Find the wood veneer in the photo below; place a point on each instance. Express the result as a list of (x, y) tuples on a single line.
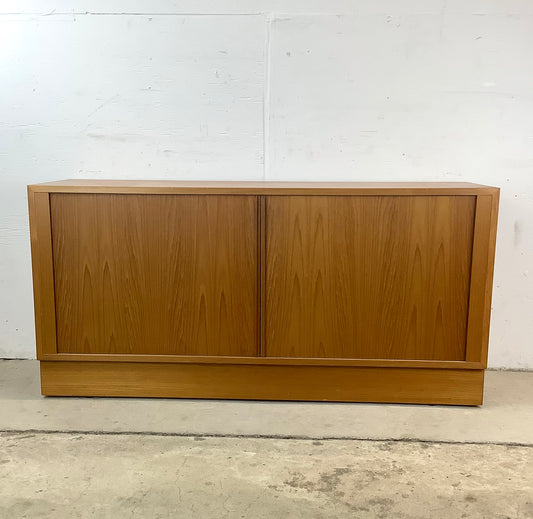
[(155, 274), (269, 290), (383, 277), (261, 188), (335, 384)]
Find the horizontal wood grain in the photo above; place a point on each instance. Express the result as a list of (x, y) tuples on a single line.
[(261, 188), (145, 274), (383, 277), (281, 361), (335, 384)]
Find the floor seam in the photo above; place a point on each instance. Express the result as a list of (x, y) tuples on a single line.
[(259, 436)]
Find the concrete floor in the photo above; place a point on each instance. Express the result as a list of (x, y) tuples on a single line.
[(135, 476), (93, 457)]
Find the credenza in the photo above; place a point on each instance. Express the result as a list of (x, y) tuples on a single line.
[(348, 292)]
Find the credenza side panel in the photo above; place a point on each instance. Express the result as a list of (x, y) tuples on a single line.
[(156, 274), (43, 273), (383, 277)]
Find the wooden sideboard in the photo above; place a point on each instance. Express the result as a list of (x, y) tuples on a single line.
[(364, 292)]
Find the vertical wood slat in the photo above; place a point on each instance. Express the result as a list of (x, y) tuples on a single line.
[(43, 273), (261, 278), (483, 251)]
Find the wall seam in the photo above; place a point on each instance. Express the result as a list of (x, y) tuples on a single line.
[(266, 97)]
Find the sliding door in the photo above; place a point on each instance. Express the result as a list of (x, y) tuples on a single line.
[(383, 277), (155, 274)]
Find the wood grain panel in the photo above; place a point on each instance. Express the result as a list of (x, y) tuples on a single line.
[(482, 273), (262, 188), (336, 384), (272, 361), (155, 274), (43, 273), (368, 277)]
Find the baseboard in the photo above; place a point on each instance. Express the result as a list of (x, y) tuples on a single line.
[(263, 382)]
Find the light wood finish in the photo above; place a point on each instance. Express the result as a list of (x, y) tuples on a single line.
[(262, 188), (336, 384), (262, 274), (368, 277), (482, 273), (271, 361), (155, 274), (339, 291), (43, 273)]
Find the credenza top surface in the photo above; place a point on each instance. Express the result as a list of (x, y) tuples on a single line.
[(261, 187)]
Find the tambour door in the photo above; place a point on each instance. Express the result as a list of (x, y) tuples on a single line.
[(155, 274), (383, 277)]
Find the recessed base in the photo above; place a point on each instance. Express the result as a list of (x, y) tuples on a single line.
[(263, 382)]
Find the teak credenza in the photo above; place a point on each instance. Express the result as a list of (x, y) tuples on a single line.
[(366, 292)]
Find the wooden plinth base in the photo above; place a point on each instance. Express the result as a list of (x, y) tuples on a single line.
[(263, 382)]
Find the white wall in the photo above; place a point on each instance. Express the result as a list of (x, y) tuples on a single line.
[(232, 89)]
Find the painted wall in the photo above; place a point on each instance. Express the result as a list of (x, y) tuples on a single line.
[(360, 90)]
